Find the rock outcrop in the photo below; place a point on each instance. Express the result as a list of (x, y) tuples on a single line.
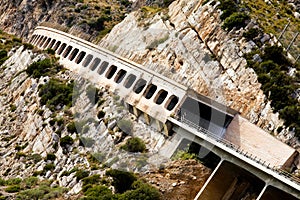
[(188, 45)]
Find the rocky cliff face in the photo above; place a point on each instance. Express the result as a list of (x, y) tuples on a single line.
[(188, 45), (185, 43), (32, 136), (20, 17)]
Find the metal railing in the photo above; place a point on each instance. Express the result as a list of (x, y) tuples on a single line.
[(237, 149)]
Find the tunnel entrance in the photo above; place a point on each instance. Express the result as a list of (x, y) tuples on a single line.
[(205, 116), (232, 182), (276, 194), (205, 156)]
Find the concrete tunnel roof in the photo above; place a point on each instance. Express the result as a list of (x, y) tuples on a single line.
[(254, 140)]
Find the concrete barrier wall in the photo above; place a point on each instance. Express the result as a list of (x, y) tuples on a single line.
[(147, 91)]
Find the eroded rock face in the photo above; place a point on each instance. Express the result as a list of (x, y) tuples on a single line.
[(188, 45), (181, 179), (28, 133)]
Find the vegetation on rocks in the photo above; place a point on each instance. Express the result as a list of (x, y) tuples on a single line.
[(278, 84), (46, 67), (56, 93), (126, 184), (31, 188), (134, 145), (232, 15)]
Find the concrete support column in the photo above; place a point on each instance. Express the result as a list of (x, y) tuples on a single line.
[(262, 192), (136, 112), (159, 125), (209, 179), (166, 130), (147, 119)]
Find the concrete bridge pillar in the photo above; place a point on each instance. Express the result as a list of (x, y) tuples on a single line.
[(159, 125), (136, 112), (209, 179), (262, 192), (147, 119)]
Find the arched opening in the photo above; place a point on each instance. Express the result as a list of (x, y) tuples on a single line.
[(111, 71), (150, 91), (46, 43), (102, 67), (129, 81), (80, 57), (95, 64), (87, 60), (67, 51), (62, 47), (73, 54), (42, 42), (52, 43), (120, 76), (160, 97), (171, 103), (33, 38), (56, 45), (139, 86)]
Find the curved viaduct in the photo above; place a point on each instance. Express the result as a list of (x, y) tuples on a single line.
[(170, 106)]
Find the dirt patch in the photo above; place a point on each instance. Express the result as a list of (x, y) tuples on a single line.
[(179, 180)]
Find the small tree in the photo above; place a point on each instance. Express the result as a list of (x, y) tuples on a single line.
[(134, 145), (122, 181), (237, 20)]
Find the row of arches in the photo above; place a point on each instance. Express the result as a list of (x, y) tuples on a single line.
[(111, 72)]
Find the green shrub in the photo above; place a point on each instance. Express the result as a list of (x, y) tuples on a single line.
[(184, 155), (2, 182), (140, 191), (50, 51), (3, 56), (13, 181), (49, 167), (237, 20), (134, 145), (99, 192), (41, 192), (37, 173), (51, 156), (80, 174), (20, 154), (228, 7), (39, 68), (98, 24), (56, 93), (28, 46), (71, 128), (13, 189), (13, 107), (94, 179), (251, 33), (267, 66), (17, 40), (35, 157), (67, 140), (101, 114), (122, 180), (276, 54), (30, 182), (125, 3)]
